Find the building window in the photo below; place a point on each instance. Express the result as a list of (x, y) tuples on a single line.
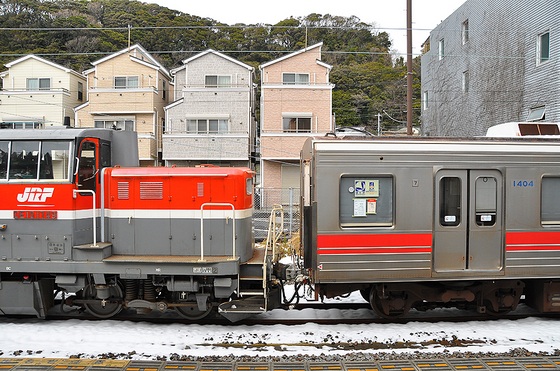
[(296, 124), (80, 91), (536, 113), (217, 81), (543, 48), (425, 102), (441, 49), (163, 94), (295, 78), (126, 82), (207, 126), (127, 125), (465, 32), (39, 84), (465, 82)]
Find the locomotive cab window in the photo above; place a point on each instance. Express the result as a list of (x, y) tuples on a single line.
[(550, 202), (87, 170), (4, 151), (486, 191), (366, 201)]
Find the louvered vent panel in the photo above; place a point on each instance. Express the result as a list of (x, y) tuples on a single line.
[(123, 190), (151, 190), (200, 189)]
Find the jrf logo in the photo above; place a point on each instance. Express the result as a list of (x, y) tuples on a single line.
[(35, 194)]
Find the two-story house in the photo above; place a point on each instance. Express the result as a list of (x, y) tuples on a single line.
[(296, 102), (128, 90), (212, 119), (37, 93), (491, 62)]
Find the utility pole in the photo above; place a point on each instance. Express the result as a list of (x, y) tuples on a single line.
[(408, 67)]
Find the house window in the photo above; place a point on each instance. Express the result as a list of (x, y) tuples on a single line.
[(126, 82), (543, 48), (80, 91), (127, 125), (425, 102), (465, 82), (465, 32), (217, 81), (296, 124), (441, 49), (163, 94), (39, 84), (207, 126), (295, 78), (536, 113)]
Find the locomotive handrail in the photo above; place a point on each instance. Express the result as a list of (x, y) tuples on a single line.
[(202, 226), (75, 194)]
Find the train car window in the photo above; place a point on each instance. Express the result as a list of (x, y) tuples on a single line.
[(249, 189), (88, 166), (54, 160), (486, 193), (550, 200), (366, 201), (4, 148), (24, 160), (450, 202)]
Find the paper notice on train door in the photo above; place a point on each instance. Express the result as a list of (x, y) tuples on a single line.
[(359, 207)]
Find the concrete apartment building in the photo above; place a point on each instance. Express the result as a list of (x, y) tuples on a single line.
[(37, 93), (128, 90), (212, 117), (492, 62), (296, 102)]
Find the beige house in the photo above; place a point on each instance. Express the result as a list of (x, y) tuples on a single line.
[(37, 93), (296, 102), (128, 90)]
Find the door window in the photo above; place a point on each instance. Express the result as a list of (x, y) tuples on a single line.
[(87, 170), (485, 201), (450, 202)]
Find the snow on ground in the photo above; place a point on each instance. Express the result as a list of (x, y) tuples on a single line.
[(141, 340)]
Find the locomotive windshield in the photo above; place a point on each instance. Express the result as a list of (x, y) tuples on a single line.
[(34, 160)]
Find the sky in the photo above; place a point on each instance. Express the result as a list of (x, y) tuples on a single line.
[(386, 15)]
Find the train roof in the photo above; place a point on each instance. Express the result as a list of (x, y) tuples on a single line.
[(58, 133), (160, 171)]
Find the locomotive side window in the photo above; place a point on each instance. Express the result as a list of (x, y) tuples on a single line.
[(550, 202), (54, 160), (450, 202), (486, 189), (87, 170), (366, 201), (24, 160), (4, 160)]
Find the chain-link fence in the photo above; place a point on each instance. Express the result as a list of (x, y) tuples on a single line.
[(265, 199)]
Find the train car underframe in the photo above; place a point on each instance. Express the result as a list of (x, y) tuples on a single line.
[(495, 297)]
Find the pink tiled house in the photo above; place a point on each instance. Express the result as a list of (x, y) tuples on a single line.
[(296, 102)]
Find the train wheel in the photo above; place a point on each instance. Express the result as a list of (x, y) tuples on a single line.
[(104, 308), (389, 307), (192, 312)]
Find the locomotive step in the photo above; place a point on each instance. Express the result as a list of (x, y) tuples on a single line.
[(251, 292)]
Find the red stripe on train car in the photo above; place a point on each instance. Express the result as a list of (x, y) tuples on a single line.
[(374, 244), (532, 241), (374, 240)]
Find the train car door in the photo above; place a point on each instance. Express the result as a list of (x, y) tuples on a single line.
[(468, 225), (87, 187)]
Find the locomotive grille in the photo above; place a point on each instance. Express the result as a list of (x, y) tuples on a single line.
[(200, 189), (151, 190), (123, 190)]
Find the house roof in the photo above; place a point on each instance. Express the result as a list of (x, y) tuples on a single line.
[(290, 55), (152, 62), (42, 60), (212, 51)]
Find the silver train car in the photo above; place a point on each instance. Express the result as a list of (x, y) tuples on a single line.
[(419, 223)]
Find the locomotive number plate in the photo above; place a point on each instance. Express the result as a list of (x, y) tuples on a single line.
[(203, 270)]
